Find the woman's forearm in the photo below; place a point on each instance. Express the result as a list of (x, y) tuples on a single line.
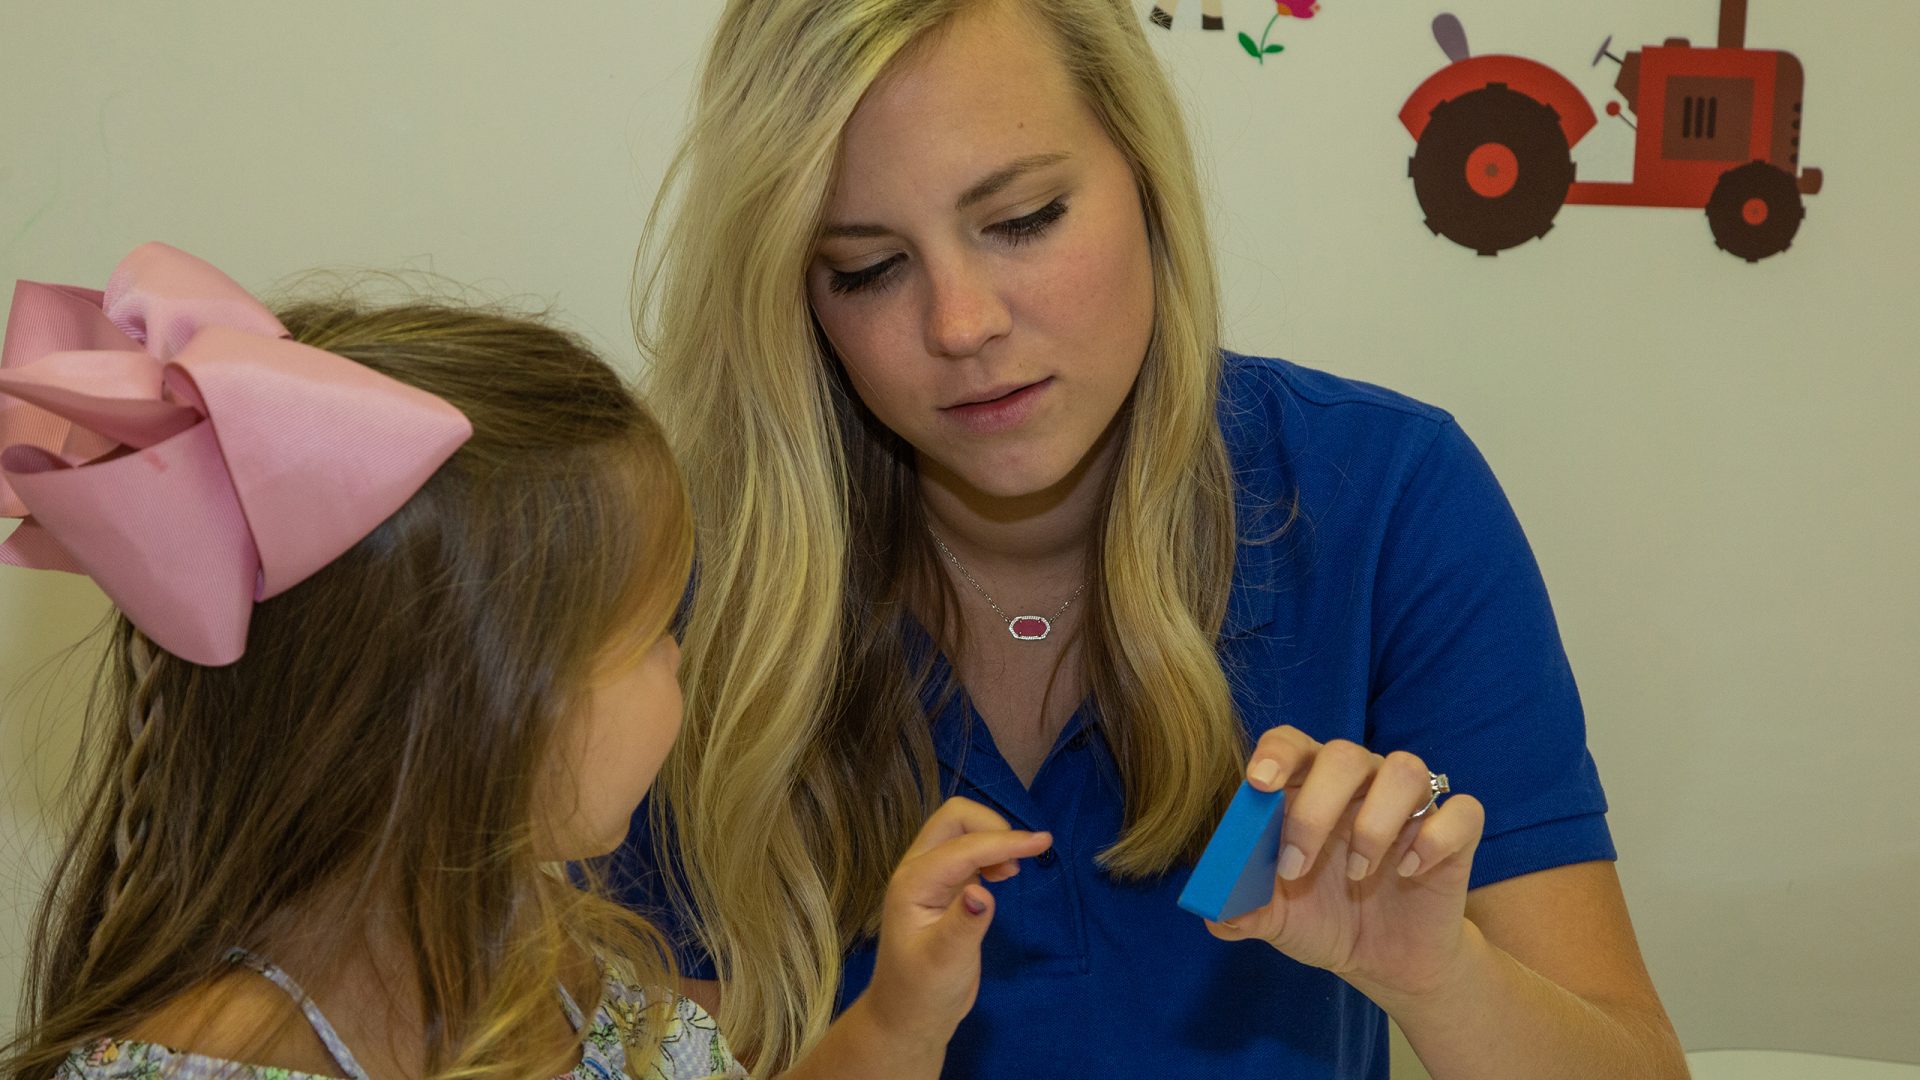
[(1497, 1019)]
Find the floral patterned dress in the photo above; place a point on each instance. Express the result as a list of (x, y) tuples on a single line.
[(691, 1049)]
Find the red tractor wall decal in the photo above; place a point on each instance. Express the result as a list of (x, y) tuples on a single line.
[(1719, 129)]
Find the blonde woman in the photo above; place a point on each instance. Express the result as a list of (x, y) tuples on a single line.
[(982, 508)]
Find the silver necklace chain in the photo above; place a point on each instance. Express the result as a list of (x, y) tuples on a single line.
[(988, 597)]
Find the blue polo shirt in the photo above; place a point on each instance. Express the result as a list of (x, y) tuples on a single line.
[(1401, 609)]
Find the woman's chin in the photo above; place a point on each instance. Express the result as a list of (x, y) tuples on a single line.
[(1016, 473), (1017, 482)]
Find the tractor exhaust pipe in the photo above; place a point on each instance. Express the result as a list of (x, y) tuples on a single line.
[(1733, 24), (1451, 36)]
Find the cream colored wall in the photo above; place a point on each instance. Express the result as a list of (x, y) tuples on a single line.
[(1715, 461)]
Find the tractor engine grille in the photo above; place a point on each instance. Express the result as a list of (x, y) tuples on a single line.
[(1708, 118)]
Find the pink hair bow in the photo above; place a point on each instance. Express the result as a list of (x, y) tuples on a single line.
[(166, 439)]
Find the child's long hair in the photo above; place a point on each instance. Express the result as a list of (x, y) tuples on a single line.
[(387, 731)]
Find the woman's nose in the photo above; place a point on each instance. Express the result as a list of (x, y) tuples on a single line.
[(965, 310)]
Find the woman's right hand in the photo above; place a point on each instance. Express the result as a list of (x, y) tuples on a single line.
[(935, 914)]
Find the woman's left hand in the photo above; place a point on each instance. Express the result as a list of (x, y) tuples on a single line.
[(1365, 890)]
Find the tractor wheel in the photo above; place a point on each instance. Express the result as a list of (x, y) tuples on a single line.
[(1492, 169), (1755, 210)]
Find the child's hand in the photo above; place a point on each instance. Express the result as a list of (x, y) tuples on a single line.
[(936, 913), (928, 971)]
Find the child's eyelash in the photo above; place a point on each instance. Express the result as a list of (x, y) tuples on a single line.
[(1013, 231)]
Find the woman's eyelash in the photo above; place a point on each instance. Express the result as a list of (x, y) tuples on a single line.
[(1014, 231), (1022, 229), (865, 278)]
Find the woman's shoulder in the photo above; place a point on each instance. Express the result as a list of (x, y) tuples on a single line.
[(1343, 470), (1293, 431), (1268, 386)]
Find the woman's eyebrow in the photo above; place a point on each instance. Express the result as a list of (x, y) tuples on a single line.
[(994, 181), (984, 189)]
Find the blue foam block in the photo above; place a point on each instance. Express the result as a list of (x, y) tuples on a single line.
[(1236, 872)]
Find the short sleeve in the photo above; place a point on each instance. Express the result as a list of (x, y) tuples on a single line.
[(1468, 670), (640, 883)]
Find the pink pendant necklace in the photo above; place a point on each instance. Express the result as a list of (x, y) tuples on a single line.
[(1022, 627)]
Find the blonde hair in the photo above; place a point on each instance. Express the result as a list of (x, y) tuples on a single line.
[(807, 765), (390, 724)]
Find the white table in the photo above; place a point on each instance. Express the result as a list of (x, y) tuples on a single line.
[(1789, 1065)]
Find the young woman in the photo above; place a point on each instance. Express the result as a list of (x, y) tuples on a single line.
[(983, 508)]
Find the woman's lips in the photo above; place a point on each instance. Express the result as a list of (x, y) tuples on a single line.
[(1002, 413)]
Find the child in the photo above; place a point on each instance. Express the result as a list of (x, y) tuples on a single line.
[(394, 590)]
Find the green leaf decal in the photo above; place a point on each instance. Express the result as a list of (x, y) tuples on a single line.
[(1275, 48), (1247, 44)]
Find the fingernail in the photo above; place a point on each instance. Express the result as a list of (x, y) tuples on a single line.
[(1357, 866), (1410, 864), (974, 906), (1265, 772), (1292, 862)]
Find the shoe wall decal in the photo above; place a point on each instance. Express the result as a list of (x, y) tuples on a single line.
[(1213, 18)]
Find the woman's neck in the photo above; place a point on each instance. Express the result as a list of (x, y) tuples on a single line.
[(1030, 555), (1040, 536)]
